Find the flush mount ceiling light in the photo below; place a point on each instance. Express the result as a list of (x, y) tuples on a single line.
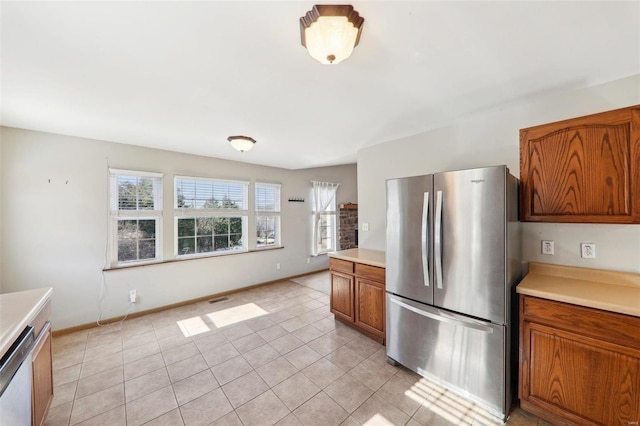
[(241, 143), (330, 32)]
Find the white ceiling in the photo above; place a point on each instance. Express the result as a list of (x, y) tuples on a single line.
[(183, 76)]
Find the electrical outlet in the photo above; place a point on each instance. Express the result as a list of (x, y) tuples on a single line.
[(547, 247), (278, 266), (308, 260), (588, 250), (133, 296), (365, 227)]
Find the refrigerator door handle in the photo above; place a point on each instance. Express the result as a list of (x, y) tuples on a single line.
[(443, 316), (425, 238), (437, 240)]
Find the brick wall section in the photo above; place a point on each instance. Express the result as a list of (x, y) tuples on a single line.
[(347, 226)]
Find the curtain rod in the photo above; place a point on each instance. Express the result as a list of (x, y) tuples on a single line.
[(331, 183)]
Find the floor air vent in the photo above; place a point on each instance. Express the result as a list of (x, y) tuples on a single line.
[(220, 299)]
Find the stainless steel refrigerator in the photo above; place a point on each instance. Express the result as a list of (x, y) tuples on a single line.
[(452, 263)]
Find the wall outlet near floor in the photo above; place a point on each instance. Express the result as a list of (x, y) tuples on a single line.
[(308, 260), (547, 247), (133, 296), (588, 250), (278, 266), (365, 227)]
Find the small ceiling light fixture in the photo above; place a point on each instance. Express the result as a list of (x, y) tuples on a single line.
[(241, 143), (330, 32)]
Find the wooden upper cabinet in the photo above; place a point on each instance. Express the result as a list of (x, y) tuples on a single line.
[(585, 169)]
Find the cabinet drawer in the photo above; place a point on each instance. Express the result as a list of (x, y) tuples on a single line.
[(341, 265), (371, 272), (603, 325), (41, 319)]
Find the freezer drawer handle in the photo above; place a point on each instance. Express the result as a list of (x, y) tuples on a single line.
[(438, 239), (443, 317), (425, 239)]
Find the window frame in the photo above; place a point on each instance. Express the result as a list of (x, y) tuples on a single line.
[(195, 213), (333, 218), (116, 215), (276, 214), (332, 212)]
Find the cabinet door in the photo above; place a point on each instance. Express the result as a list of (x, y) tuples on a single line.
[(581, 379), (370, 306), (342, 296), (585, 169), (42, 376)]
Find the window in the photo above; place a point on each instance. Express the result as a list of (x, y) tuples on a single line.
[(136, 215), (210, 216), (324, 217), (267, 215)]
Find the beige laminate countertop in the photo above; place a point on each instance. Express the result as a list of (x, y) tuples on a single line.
[(17, 310), (358, 255), (594, 288)]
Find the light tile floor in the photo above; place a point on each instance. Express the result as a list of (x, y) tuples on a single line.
[(270, 355), (320, 281)]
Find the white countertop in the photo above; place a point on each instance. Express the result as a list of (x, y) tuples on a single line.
[(594, 288), (358, 255), (17, 310)]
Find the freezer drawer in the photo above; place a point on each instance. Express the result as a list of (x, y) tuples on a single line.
[(461, 353)]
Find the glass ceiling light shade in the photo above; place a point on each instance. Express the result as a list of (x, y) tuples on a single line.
[(241, 143), (330, 32)]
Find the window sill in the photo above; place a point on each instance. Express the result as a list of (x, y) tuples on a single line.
[(176, 260), (266, 248)]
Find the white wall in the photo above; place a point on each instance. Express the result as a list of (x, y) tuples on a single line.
[(54, 234), (491, 137)]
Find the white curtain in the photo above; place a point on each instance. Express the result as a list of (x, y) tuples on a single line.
[(324, 194)]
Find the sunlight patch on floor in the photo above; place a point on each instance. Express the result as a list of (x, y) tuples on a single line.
[(378, 420), (236, 314), (486, 419), (192, 326), (450, 407), (419, 390)]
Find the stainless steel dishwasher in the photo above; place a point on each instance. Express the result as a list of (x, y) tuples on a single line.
[(15, 381)]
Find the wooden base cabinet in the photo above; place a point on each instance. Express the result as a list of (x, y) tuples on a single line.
[(357, 296), (41, 366), (42, 389), (579, 365)]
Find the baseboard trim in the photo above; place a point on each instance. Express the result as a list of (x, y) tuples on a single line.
[(63, 331)]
